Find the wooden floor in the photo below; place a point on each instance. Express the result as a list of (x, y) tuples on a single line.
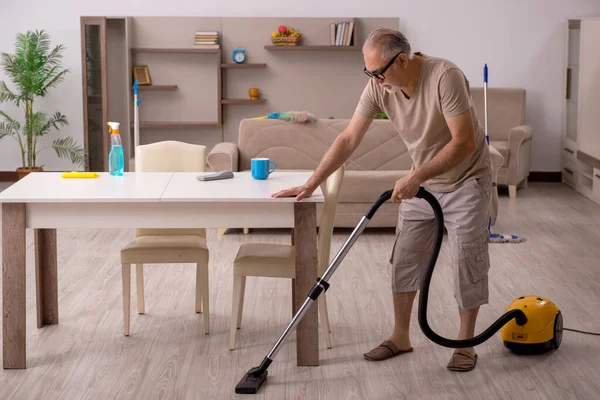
[(167, 355)]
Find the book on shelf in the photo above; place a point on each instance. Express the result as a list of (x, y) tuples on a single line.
[(341, 33), (206, 40)]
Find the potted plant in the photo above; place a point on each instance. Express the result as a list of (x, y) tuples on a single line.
[(33, 70)]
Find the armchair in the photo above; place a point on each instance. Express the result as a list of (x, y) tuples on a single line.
[(508, 133)]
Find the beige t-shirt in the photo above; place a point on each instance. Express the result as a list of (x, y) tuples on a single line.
[(442, 91)]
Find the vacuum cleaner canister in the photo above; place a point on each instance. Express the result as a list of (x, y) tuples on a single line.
[(543, 330)]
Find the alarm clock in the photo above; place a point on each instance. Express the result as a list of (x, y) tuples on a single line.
[(239, 55)]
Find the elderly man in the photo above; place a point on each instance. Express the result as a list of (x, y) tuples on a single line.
[(428, 101)]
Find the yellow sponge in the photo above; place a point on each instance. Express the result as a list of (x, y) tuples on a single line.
[(76, 174)]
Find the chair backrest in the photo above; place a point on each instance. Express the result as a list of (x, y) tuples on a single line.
[(170, 156), (331, 191)]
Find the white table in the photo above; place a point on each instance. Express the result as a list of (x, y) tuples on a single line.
[(46, 202)]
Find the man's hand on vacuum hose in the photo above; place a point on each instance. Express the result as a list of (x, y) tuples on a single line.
[(406, 187)]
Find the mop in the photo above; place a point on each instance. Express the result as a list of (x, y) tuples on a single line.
[(494, 237), (136, 115)]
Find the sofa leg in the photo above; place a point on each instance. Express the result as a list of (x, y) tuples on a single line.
[(512, 191), (523, 184), (246, 231)]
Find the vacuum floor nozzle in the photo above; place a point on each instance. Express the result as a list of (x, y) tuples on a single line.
[(250, 383)]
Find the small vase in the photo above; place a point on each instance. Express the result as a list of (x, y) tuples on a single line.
[(23, 172), (253, 93)]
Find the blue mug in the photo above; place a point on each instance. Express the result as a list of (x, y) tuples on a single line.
[(261, 168)]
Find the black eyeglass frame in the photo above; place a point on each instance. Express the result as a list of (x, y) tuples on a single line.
[(379, 75)]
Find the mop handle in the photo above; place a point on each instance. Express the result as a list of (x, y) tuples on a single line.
[(136, 114), (485, 107)]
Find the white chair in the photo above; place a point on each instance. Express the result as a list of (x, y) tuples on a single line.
[(278, 260), (167, 246)]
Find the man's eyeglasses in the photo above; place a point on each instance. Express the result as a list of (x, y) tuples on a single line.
[(379, 75)]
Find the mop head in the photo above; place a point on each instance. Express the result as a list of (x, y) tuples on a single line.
[(297, 117), (499, 238)]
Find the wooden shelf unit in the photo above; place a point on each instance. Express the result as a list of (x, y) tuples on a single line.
[(191, 98), (242, 101), (173, 50), (175, 124), (156, 87), (312, 48), (243, 65)]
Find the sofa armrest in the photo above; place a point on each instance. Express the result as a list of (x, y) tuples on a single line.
[(223, 157), (519, 143)]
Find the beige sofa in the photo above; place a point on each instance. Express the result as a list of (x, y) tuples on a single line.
[(508, 133), (380, 160)]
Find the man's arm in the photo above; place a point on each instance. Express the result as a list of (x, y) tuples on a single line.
[(459, 148), (339, 151)]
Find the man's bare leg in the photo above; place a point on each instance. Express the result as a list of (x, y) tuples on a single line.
[(403, 303), (468, 318)]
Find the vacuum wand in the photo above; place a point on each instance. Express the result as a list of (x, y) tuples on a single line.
[(254, 378)]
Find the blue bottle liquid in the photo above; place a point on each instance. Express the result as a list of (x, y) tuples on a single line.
[(116, 158)]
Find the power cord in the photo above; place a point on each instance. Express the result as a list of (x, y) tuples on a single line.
[(587, 333)]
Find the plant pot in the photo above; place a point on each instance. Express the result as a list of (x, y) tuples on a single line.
[(23, 172)]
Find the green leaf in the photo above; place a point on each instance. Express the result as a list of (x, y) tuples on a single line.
[(65, 147), (7, 95), (44, 124)]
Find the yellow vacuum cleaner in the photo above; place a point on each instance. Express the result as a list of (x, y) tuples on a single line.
[(543, 330), (531, 324)]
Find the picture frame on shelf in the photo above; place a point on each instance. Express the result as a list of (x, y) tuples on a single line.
[(141, 73)]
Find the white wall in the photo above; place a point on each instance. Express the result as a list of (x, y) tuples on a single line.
[(522, 42)]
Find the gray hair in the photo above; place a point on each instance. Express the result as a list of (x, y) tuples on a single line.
[(389, 42)]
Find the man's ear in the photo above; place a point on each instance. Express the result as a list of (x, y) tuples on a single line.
[(403, 60)]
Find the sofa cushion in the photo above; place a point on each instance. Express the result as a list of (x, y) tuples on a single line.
[(502, 148), (366, 186)]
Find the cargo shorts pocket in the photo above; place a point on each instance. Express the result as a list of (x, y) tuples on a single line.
[(484, 186), (473, 259)]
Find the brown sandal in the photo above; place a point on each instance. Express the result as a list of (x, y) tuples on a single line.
[(385, 350), (462, 361)]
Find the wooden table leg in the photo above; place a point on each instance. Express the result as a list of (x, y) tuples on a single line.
[(13, 285), (46, 277), (305, 241)]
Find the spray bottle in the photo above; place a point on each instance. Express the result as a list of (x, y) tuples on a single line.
[(116, 160)]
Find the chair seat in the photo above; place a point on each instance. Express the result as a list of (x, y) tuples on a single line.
[(165, 249), (503, 149), (264, 259)]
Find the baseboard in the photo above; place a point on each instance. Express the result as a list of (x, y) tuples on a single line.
[(544, 176), (8, 176)]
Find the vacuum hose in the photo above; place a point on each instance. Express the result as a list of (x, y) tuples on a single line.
[(518, 315)]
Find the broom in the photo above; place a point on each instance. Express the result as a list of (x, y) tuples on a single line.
[(494, 237)]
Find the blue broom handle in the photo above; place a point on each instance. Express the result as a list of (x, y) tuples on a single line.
[(485, 84)]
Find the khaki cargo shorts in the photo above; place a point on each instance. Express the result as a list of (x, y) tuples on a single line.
[(466, 214)]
